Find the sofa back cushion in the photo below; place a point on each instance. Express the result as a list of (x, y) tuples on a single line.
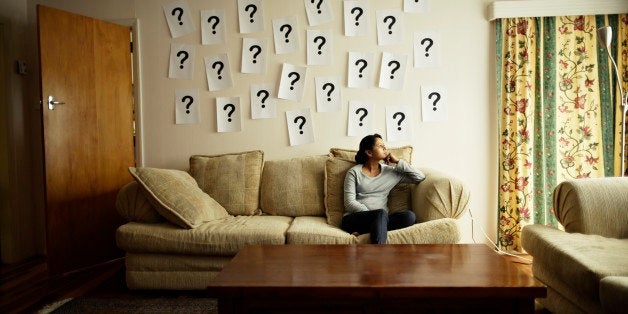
[(403, 152), (294, 187), (231, 179)]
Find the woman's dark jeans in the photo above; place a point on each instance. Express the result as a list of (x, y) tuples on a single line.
[(377, 223)]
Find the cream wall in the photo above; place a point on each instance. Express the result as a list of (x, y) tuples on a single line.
[(464, 145)]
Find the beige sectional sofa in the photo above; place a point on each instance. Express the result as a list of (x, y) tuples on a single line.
[(183, 231), (584, 267)]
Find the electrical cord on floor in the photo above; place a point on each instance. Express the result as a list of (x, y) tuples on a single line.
[(495, 247)]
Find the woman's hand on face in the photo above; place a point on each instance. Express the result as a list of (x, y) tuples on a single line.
[(391, 159)]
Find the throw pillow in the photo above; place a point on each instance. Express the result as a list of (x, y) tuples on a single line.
[(177, 197), (231, 179), (294, 187), (404, 152), (335, 171)]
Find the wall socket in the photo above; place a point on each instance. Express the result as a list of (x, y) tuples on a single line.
[(20, 66)]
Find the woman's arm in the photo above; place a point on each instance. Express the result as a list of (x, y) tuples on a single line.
[(409, 174), (350, 192)]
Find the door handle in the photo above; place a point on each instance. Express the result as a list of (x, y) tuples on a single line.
[(52, 102)]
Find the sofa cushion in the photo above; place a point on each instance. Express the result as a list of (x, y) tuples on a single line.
[(316, 230), (177, 197), (614, 294), (578, 260), (294, 187), (224, 237), (403, 152), (231, 179), (133, 205)]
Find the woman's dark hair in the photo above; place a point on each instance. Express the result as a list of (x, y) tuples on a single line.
[(367, 143)]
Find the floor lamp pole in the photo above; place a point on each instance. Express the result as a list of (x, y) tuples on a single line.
[(605, 36)]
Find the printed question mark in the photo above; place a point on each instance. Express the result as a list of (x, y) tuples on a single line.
[(365, 113), (289, 29), (266, 94), (296, 79), (220, 66), (255, 54), (397, 66), (331, 90), (357, 16), (320, 46), (430, 42), (403, 117), (187, 107), (364, 64), (318, 6), (435, 101), (230, 111), (185, 57), (302, 119), (180, 11), (216, 21), (393, 20), (253, 10)]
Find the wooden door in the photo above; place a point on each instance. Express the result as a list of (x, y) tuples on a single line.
[(88, 141)]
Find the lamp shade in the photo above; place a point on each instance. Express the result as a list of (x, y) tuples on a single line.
[(605, 35)]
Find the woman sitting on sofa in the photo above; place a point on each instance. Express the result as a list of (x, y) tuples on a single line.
[(366, 189)]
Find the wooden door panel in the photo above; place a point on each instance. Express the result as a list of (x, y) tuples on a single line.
[(88, 141)]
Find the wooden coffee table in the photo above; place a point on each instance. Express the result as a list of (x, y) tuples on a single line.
[(373, 279)]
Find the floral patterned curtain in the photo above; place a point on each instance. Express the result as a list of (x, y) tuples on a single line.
[(559, 112)]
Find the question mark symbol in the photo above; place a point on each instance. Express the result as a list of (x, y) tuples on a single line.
[(216, 21), (320, 46), (220, 66), (253, 10), (266, 94), (435, 101), (430, 42), (403, 117), (185, 57), (318, 6), (331, 90), (397, 66), (302, 119), (257, 49), (180, 11), (363, 62), (230, 111), (296, 79), (289, 29), (365, 113), (187, 107), (393, 20), (357, 16)]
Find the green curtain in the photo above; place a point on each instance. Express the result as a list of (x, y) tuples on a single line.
[(559, 116)]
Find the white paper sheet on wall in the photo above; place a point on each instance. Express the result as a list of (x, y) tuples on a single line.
[(251, 16), (228, 114), (398, 123), (254, 55), (263, 101), (427, 49), (416, 6), (178, 18), (300, 128), (186, 104), (356, 17), (318, 11), (328, 94), (389, 27), (393, 70), (213, 27), (360, 70), (319, 47), (292, 82), (360, 120), (286, 35), (433, 103), (181, 61), (218, 72)]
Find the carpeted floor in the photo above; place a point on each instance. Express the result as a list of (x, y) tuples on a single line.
[(138, 305)]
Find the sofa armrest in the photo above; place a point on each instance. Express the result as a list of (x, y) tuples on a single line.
[(439, 196), (132, 205), (593, 206)]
